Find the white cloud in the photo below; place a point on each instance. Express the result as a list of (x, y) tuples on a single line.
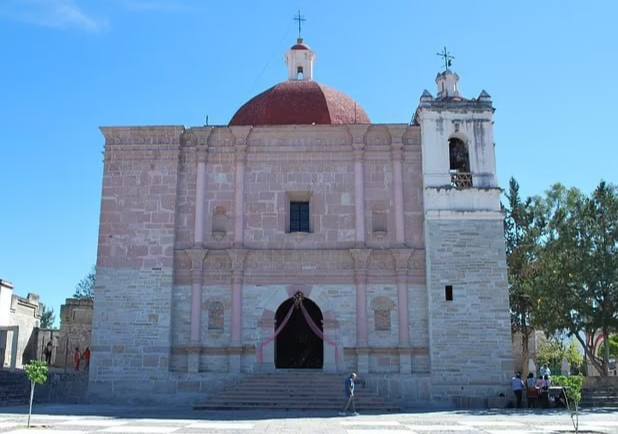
[(61, 14)]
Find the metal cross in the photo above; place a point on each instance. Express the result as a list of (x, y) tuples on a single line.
[(300, 20), (446, 57)]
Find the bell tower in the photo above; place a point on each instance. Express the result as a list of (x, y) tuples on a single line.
[(467, 289)]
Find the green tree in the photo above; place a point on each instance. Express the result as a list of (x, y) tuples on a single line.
[(613, 346), (522, 232), (553, 351), (85, 287), (579, 278), (36, 371), (47, 317), (574, 357), (550, 353)]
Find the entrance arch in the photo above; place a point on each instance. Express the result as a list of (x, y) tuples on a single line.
[(297, 346)]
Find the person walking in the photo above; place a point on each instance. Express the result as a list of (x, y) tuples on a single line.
[(517, 384), (349, 393)]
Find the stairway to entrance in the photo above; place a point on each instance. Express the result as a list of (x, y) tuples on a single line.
[(294, 390), (600, 396), (14, 388)]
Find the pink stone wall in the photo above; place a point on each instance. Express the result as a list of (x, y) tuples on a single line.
[(138, 206)]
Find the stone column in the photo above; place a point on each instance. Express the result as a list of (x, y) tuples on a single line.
[(239, 192), (359, 192), (237, 257), (401, 257), (361, 259), (200, 197), (197, 270), (397, 157)]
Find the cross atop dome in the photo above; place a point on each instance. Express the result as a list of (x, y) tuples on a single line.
[(300, 20)]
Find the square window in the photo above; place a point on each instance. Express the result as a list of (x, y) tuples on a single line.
[(299, 216)]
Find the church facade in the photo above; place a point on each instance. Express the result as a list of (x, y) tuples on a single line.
[(302, 236)]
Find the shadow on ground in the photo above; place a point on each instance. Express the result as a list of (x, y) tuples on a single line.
[(184, 412)]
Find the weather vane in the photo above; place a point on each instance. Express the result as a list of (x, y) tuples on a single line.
[(446, 57), (300, 20)]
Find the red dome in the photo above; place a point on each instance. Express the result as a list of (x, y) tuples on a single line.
[(300, 46), (299, 102)]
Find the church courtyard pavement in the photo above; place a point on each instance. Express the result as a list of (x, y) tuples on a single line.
[(82, 419)]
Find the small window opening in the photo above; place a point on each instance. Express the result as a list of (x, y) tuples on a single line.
[(299, 217), (299, 73), (459, 163), (448, 292)]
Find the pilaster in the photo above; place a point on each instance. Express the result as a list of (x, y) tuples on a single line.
[(359, 192), (197, 271), (401, 257), (200, 195), (361, 260), (237, 257), (397, 161), (239, 192)]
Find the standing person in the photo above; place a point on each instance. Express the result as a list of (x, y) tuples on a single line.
[(86, 357), (77, 356), (544, 392), (517, 385), (48, 353), (349, 393), (545, 371), (532, 393)]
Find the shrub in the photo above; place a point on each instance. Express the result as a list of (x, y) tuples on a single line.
[(572, 386)]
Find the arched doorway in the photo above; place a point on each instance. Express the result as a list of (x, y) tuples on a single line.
[(297, 346)]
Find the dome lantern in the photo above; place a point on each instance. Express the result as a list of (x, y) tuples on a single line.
[(299, 59)]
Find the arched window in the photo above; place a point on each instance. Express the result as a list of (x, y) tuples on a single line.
[(459, 164), (215, 315), (299, 73)]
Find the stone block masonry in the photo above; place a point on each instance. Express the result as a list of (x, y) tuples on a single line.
[(469, 337)]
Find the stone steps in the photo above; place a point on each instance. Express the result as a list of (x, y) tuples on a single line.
[(600, 397), (309, 390), (14, 388)]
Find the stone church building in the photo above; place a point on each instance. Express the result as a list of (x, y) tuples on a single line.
[(303, 236)]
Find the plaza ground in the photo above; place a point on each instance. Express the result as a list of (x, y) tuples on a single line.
[(82, 419)]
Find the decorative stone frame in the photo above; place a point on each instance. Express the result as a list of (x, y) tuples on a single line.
[(382, 307), (215, 315)]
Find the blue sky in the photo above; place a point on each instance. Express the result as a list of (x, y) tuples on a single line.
[(70, 66)]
